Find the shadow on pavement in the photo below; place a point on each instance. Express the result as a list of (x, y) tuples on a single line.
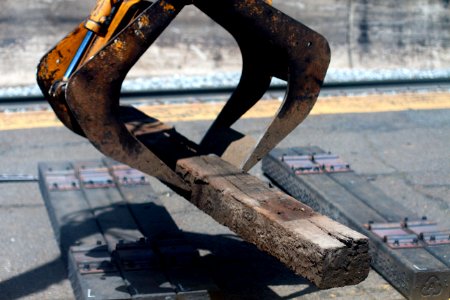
[(238, 268)]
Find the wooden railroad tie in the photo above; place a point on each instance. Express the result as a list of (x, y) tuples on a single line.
[(314, 246)]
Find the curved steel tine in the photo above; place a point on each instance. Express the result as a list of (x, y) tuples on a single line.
[(51, 69), (93, 93), (300, 98), (253, 83), (289, 50), (308, 60)]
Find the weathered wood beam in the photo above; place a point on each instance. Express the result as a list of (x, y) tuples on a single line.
[(314, 246), (327, 253)]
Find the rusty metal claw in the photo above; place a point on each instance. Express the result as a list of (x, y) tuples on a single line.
[(53, 67), (253, 84), (271, 43), (93, 93)]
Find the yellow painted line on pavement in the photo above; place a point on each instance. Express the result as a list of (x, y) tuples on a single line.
[(375, 103)]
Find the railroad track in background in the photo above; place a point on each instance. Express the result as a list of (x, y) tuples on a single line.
[(221, 85), (191, 103)]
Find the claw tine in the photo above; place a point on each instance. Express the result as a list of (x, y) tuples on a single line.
[(303, 89), (281, 47), (252, 86), (94, 98)]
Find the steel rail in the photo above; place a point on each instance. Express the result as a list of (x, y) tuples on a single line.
[(332, 88)]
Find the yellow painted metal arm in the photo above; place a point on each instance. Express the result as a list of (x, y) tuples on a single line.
[(100, 14)]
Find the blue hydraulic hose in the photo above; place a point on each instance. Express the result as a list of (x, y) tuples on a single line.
[(80, 52)]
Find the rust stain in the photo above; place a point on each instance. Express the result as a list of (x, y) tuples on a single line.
[(119, 45), (56, 61), (167, 7), (286, 209), (143, 21), (252, 7)]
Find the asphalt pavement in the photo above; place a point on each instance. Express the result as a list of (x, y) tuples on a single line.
[(404, 153)]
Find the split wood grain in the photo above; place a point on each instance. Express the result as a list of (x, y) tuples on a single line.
[(314, 246)]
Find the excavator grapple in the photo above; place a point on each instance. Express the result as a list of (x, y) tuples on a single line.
[(81, 77)]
